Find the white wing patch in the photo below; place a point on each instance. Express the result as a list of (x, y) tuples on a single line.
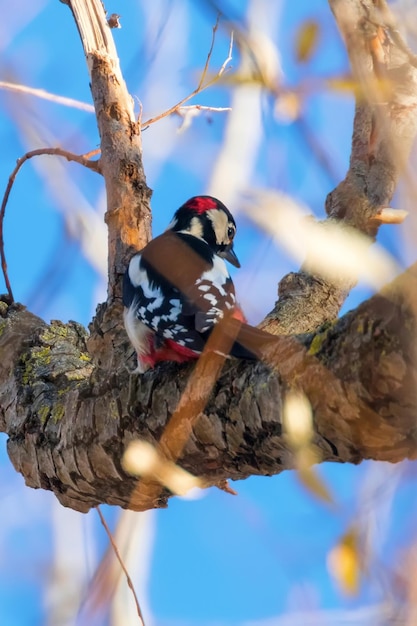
[(217, 289), (172, 315), (211, 297), (136, 274)]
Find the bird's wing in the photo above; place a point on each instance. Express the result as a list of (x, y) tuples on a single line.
[(181, 288)]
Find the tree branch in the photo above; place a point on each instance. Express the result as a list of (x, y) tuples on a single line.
[(128, 214), (92, 165), (384, 130), (203, 84), (68, 426)]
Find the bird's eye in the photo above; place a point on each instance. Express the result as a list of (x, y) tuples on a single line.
[(231, 232)]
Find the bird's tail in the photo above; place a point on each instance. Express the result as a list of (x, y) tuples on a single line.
[(239, 339)]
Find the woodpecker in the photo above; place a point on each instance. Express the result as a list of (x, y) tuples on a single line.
[(178, 287)]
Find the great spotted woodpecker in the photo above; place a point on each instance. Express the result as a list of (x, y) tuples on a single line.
[(178, 287)]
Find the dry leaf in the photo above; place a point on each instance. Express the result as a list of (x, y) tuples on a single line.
[(306, 40), (343, 563)]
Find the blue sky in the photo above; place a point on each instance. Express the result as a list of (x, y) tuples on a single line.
[(218, 560)]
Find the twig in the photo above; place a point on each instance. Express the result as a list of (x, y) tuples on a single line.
[(201, 85), (122, 565), (384, 18), (229, 57), (92, 165), (189, 112), (210, 52), (387, 215), (201, 107), (88, 155), (46, 95)]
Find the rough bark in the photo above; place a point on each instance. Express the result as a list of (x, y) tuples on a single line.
[(68, 425), (68, 403), (128, 215)]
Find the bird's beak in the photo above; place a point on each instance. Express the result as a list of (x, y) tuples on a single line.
[(229, 255)]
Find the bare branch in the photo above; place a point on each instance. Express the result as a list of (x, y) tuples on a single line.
[(92, 165), (202, 85), (88, 155), (385, 127), (229, 57), (46, 95), (210, 52), (69, 435), (199, 107), (386, 215), (188, 113), (122, 565)]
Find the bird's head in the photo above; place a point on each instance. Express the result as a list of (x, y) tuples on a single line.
[(208, 218)]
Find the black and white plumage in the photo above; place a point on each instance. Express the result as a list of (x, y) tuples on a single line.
[(178, 287)]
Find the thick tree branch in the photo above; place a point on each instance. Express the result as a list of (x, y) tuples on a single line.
[(128, 215), (68, 426)]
